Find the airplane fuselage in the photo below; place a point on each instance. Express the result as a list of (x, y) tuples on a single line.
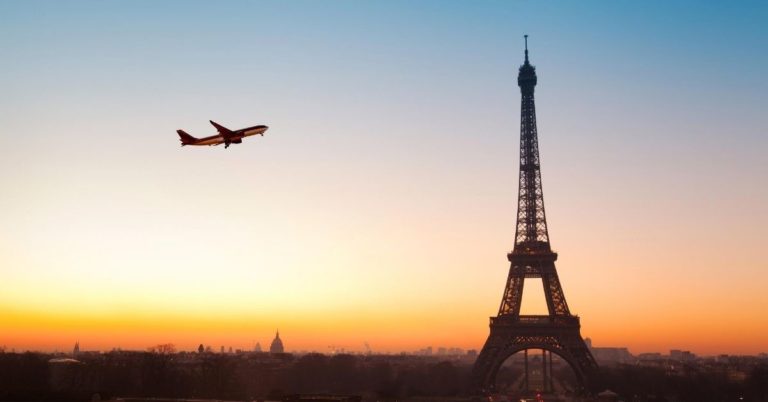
[(225, 135), (235, 138)]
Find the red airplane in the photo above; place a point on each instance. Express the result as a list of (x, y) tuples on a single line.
[(225, 136)]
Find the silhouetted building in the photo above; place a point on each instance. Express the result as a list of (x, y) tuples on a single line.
[(76, 349), (257, 348), (532, 257), (64, 372), (612, 355), (277, 344), (681, 355)]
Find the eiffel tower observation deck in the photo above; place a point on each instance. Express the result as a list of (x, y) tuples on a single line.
[(557, 332)]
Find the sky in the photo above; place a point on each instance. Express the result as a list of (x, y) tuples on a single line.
[(380, 205)]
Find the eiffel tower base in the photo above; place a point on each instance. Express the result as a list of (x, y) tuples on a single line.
[(557, 334)]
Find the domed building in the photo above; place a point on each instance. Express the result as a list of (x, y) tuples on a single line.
[(277, 344)]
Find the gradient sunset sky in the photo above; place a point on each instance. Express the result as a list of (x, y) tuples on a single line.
[(380, 205)]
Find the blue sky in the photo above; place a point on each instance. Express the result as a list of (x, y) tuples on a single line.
[(393, 132)]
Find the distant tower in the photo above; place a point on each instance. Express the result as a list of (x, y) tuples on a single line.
[(257, 348), (201, 348), (532, 257), (76, 349), (277, 344)]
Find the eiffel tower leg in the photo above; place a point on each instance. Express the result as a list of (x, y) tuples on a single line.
[(551, 382), (544, 370), (513, 294), (553, 293), (526, 371)]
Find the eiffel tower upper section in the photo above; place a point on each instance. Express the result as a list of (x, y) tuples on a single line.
[(531, 236), (532, 256)]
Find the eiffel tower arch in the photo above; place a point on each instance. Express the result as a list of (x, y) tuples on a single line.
[(557, 332), (504, 345)]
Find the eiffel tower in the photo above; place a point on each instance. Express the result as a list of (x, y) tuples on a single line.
[(532, 257)]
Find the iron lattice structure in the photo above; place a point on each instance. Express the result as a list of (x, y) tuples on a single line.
[(532, 257)]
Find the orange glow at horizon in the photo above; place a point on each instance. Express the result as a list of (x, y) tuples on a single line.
[(386, 331)]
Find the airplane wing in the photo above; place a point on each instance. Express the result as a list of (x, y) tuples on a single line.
[(225, 132)]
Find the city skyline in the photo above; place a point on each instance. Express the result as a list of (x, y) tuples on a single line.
[(380, 206)]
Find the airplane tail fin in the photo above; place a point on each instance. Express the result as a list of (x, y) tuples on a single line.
[(185, 138)]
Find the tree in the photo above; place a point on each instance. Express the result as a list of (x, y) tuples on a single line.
[(163, 349)]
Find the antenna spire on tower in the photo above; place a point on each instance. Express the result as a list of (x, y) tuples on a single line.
[(526, 48)]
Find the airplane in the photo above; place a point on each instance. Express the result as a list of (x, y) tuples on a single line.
[(225, 136)]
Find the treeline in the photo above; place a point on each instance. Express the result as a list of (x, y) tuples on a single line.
[(31, 376), (693, 384), (221, 376)]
